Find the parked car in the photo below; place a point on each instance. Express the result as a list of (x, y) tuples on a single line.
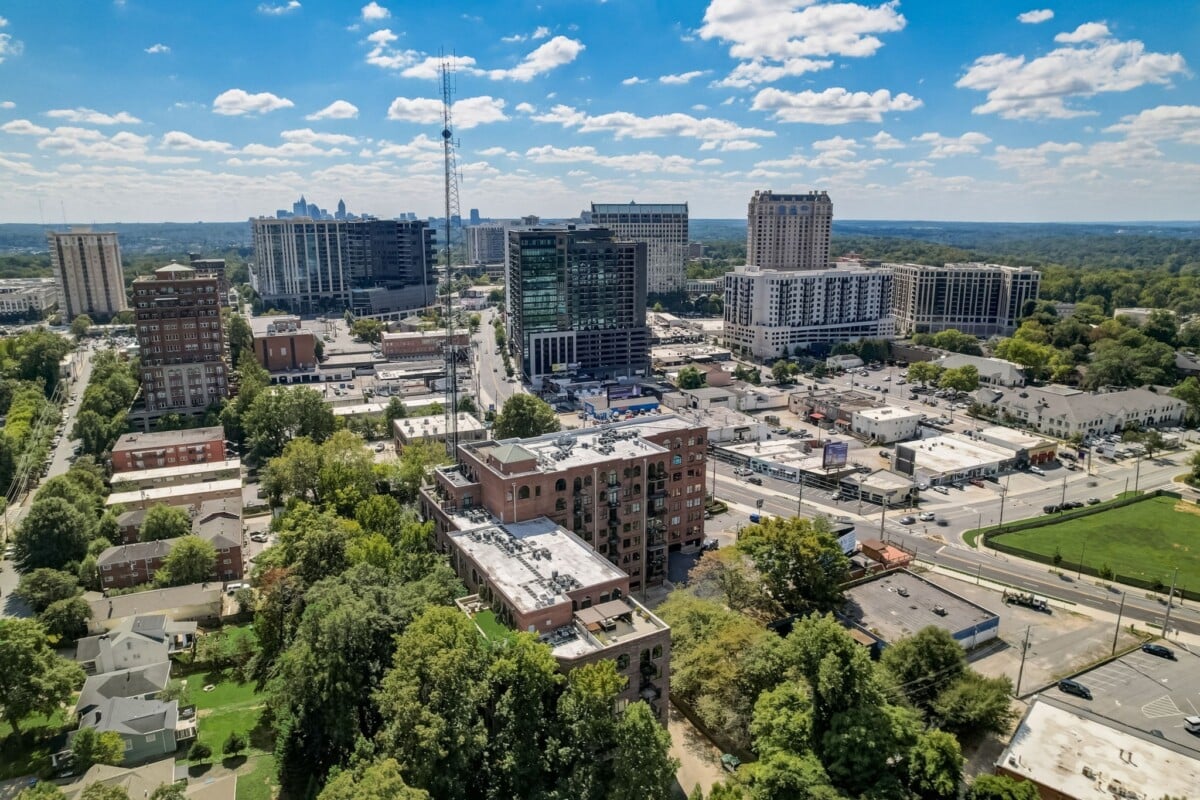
[(927, 516), (757, 481), (976, 482), (1037, 470), (941, 489), (1074, 687), (741, 471), (1075, 504), (1093, 501), (710, 544), (1051, 509), (907, 520), (258, 537), (1158, 650)]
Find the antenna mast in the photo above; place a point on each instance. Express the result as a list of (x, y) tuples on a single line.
[(452, 209)]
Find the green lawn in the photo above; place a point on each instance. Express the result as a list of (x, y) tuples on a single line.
[(492, 627), (230, 706), (1145, 540), (259, 783), (28, 753)]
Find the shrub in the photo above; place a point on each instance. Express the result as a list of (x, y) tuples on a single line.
[(199, 751)]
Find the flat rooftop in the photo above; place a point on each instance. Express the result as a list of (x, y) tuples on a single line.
[(880, 479), (434, 425), (166, 473), (437, 334), (1146, 694), (165, 494), (955, 453), (535, 563), (160, 439), (278, 325), (889, 413), (1014, 437), (1058, 745), (878, 606)]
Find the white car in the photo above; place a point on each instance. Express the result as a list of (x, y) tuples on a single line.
[(1037, 470), (927, 516)]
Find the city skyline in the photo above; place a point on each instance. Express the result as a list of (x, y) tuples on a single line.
[(123, 112)]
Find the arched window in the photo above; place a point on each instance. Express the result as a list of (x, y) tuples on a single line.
[(560, 485), (657, 651), (578, 484), (623, 661), (523, 493)]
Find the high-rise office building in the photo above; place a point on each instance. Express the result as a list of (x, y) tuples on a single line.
[(368, 265), (341, 212), (576, 303), (181, 339), (474, 216), (486, 244), (664, 229), (789, 231), (88, 267), (980, 299)]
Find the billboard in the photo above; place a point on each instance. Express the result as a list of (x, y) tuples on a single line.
[(622, 391), (835, 455)]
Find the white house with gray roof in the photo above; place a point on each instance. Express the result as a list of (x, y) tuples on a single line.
[(1064, 411), (992, 371)]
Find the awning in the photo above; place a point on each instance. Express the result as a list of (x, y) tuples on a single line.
[(816, 415), (841, 422)]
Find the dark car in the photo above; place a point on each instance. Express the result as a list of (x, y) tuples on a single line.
[(1050, 509), (757, 481), (1076, 504), (711, 544), (1159, 650), (907, 520), (1074, 687)]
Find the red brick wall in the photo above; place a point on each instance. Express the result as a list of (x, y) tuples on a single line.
[(173, 456), (300, 347)]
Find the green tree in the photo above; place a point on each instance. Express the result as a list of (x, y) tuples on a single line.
[(783, 720), (416, 459), (642, 765), (347, 472), (234, 743), (865, 746), (199, 751), (240, 338), (43, 586), (935, 765), (973, 705), (800, 561), (91, 747), (522, 416), (380, 780), (53, 534), (164, 522), (67, 619), (960, 379), (923, 663), (104, 791), (838, 671), (1188, 390), (191, 560), (782, 370), (690, 378), (466, 405), (395, 410), (1162, 326), (957, 342), (380, 513), (473, 322), (367, 330), (169, 791), (41, 791), (1000, 787), (586, 731), (281, 414), (923, 372), (782, 776)]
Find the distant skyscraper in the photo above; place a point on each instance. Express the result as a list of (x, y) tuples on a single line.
[(576, 303), (486, 244), (181, 339), (341, 212), (88, 268), (979, 299), (789, 231), (300, 207), (474, 216), (664, 229)]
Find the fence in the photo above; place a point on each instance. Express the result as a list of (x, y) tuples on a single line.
[(992, 539)]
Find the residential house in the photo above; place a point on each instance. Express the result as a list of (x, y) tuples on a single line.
[(135, 642), (178, 605), (149, 728), (144, 683)]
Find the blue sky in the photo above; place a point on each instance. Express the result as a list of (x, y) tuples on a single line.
[(144, 111)]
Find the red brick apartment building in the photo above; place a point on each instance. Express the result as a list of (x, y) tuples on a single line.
[(631, 490), (138, 451), (216, 521)]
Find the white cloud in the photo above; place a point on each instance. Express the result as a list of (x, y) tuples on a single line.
[(555, 53), (833, 106), (178, 140), (683, 77), (623, 124), (92, 144), (1040, 88), (1023, 158), (633, 81), (3, 22), (8, 45), (279, 10), (634, 162), (885, 141), (384, 56), (1034, 17), (236, 102), (373, 12), (309, 136), (431, 67), (699, 107), (836, 144), (93, 117), (1180, 123), (541, 32), (1087, 32), (23, 127), (946, 146), (270, 161), (289, 150), (421, 147), (7, 104), (783, 29), (155, 49), (466, 113), (525, 108), (338, 109), (492, 152), (738, 144), (751, 73)]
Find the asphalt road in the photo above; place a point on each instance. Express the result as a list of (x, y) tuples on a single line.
[(489, 384)]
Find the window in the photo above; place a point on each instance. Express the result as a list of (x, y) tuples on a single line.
[(623, 662), (560, 485), (523, 493), (657, 651)]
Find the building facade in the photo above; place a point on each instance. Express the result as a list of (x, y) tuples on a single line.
[(411, 345), (27, 298), (789, 231), (88, 267), (140, 451), (181, 336), (367, 265), (486, 244), (284, 344), (632, 490), (664, 229), (771, 313), (1064, 411), (576, 303), (979, 299)]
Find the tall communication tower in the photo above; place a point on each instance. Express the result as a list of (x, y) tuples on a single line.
[(452, 210)]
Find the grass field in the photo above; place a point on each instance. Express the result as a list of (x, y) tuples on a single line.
[(1146, 540), (491, 627)]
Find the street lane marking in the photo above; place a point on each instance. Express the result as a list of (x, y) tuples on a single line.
[(1162, 707)]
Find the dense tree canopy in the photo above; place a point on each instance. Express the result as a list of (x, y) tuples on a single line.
[(164, 522), (33, 678), (191, 560), (522, 416)]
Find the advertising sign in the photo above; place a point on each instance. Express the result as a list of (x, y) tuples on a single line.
[(835, 455), (620, 392)]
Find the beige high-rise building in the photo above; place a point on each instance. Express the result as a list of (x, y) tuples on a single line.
[(664, 229), (789, 231), (88, 267)]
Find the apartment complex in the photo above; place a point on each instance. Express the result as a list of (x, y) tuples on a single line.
[(980, 299), (536, 576), (486, 244), (664, 229), (370, 266), (631, 490), (27, 298), (771, 313), (140, 451), (212, 267), (1064, 411), (789, 231), (284, 344), (576, 303), (218, 522), (181, 337), (88, 267)]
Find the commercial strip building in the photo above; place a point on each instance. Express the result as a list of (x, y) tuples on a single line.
[(664, 229), (885, 424), (369, 266), (576, 303), (285, 344), (432, 428), (1029, 449), (412, 345), (87, 265), (979, 299), (953, 458), (895, 605), (181, 340), (165, 449), (27, 299), (632, 490), (789, 231), (879, 487), (1064, 411), (992, 371)]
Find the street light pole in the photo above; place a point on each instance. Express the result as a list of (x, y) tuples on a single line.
[(1120, 612), (800, 497), (883, 515), (1137, 473), (1170, 602), (1021, 671), (1003, 497), (1082, 550)]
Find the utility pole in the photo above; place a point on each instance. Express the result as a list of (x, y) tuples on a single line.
[(1170, 602), (883, 514), (712, 454), (1021, 671), (1082, 550), (1116, 632), (800, 497), (1003, 497), (1063, 502), (1137, 474)]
